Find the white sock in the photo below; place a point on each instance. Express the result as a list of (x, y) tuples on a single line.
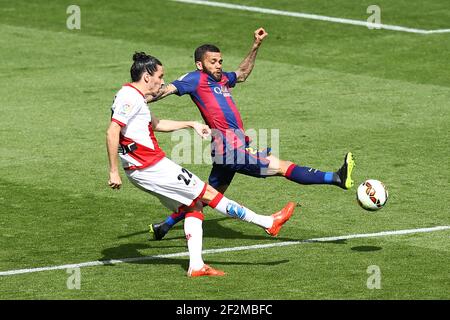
[(194, 235), (235, 210)]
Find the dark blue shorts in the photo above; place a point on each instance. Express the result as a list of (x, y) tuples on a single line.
[(246, 161)]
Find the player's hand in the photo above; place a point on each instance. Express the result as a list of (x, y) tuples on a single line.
[(149, 98), (260, 34), (153, 97), (202, 130), (114, 180)]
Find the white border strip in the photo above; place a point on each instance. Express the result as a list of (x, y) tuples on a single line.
[(311, 16), (212, 251)]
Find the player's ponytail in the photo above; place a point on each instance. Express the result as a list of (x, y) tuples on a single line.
[(143, 62), (139, 56)]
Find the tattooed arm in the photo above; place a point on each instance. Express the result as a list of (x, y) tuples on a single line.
[(165, 91), (246, 66)]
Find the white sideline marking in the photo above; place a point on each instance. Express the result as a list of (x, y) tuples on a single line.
[(311, 16), (211, 251)]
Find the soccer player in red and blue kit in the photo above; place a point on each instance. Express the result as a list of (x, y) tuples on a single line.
[(210, 89)]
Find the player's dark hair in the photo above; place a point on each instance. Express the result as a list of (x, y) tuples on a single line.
[(200, 51), (143, 62)]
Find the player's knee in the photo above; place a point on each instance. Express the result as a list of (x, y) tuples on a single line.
[(284, 166), (210, 193), (278, 165)]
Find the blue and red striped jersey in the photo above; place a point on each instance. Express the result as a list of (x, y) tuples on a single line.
[(213, 99)]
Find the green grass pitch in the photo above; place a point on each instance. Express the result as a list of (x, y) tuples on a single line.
[(329, 88)]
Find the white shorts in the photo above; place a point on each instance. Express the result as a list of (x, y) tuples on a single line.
[(171, 183)]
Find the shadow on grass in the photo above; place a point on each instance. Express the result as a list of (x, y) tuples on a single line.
[(134, 256), (366, 248), (343, 241), (213, 229)]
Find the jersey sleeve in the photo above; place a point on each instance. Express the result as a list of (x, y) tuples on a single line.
[(187, 83), (232, 78), (123, 110)]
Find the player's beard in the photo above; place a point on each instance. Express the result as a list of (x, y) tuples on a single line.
[(216, 76)]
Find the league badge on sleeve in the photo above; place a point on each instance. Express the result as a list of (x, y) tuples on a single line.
[(125, 110)]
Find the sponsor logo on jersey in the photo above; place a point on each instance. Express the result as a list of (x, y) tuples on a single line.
[(223, 90)]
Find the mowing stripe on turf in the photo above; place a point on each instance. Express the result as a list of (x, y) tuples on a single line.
[(253, 247), (311, 16)]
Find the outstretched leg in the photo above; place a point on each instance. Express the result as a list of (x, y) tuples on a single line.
[(216, 200), (271, 224), (307, 175)]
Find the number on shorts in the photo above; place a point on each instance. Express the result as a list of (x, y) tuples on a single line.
[(182, 177)]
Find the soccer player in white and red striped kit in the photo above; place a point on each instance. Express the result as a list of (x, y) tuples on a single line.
[(132, 132)]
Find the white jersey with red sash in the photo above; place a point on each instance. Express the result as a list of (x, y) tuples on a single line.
[(137, 139)]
